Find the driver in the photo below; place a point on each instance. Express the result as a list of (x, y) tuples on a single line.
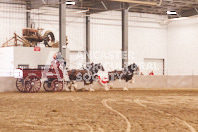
[(61, 59), (54, 63)]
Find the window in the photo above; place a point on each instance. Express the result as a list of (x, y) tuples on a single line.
[(23, 66), (43, 66), (155, 65)]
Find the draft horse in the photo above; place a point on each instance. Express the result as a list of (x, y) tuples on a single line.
[(87, 75), (126, 75)]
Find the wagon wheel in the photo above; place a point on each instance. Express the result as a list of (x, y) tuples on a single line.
[(49, 39), (47, 86), (32, 83), (20, 85), (57, 86)]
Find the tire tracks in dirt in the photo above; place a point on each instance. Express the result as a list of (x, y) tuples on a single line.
[(192, 129), (91, 129), (104, 102)]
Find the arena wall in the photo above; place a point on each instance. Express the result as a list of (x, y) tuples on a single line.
[(8, 84), (6, 61)]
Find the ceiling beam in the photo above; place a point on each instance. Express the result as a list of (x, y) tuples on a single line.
[(140, 2), (187, 13)]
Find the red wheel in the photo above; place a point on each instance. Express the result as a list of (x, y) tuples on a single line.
[(47, 86), (20, 85), (32, 84), (56, 85)]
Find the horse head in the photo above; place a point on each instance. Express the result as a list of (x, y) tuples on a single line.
[(88, 66), (133, 67), (97, 67)]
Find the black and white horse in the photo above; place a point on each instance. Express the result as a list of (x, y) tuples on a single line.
[(126, 75), (87, 75)]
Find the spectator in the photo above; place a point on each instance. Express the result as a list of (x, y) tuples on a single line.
[(151, 73)]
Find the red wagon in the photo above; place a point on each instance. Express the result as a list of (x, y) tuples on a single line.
[(29, 80)]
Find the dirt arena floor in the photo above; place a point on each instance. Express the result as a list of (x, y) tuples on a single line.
[(138, 110)]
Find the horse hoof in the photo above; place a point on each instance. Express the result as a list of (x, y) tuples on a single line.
[(75, 86), (72, 90), (111, 86), (106, 89), (133, 80), (125, 89), (67, 90), (91, 90)]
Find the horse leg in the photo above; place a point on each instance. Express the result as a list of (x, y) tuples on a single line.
[(133, 80), (110, 85), (69, 85), (85, 86), (106, 87), (90, 87), (73, 86), (125, 86)]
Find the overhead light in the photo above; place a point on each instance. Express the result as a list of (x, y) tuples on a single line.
[(171, 12), (70, 3), (82, 11), (180, 18)]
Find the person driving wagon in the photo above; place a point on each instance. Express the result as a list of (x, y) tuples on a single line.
[(57, 61)]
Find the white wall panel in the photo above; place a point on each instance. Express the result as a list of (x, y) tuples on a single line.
[(77, 60), (12, 21), (106, 37), (147, 38), (6, 61), (27, 56), (183, 47)]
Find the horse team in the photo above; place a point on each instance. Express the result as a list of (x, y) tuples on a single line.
[(89, 74)]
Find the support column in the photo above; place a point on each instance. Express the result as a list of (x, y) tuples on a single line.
[(87, 38), (28, 18), (62, 27), (124, 35)]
